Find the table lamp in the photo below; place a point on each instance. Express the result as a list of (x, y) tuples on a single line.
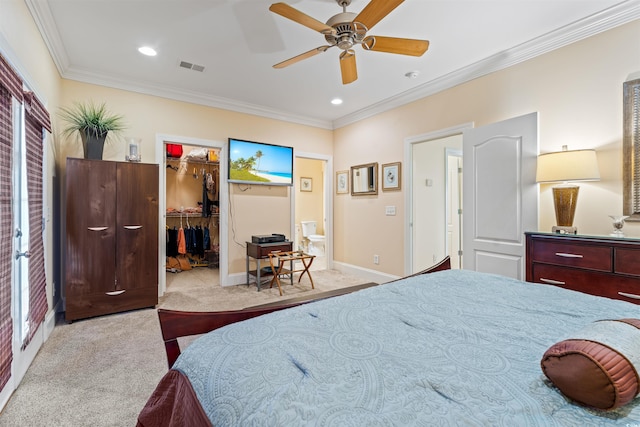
[(566, 166)]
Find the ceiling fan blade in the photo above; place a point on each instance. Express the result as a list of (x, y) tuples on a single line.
[(397, 45), (375, 11), (295, 15), (348, 66), (309, 54)]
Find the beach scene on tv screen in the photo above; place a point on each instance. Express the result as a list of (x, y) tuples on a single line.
[(260, 163)]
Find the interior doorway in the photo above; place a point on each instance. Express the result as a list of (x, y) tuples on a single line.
[(454, 209), (312, 207), (192, 194), (433, 207)]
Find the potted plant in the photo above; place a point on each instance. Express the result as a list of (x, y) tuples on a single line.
[(93, 123)]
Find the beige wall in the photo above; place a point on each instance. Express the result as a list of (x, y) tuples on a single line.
[(577, 91)]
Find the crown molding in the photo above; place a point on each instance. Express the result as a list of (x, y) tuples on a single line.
[(191, 97), (612, 17), (615, 16)]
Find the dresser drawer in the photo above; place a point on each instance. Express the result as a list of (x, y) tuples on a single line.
[(590, 282), (572, 254), (627, 261)]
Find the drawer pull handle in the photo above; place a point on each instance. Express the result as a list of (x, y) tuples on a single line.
[(565, 255), (115, 293), (633, 296), (552, 282), (133, 227), (97, 228)]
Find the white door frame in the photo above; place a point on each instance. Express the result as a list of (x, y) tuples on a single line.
[(223, 219), (328, 202), (408, 178)]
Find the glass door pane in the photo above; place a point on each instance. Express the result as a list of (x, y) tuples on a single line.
[(21, 230)]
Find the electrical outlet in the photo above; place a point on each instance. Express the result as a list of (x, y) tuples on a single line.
[(376, 259)]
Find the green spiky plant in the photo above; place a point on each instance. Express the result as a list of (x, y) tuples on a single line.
[(92, 122), (90, 117)]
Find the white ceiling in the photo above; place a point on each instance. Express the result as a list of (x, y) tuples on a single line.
[(238, 41)]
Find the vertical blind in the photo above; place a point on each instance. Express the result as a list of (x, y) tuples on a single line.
[(36, 119)]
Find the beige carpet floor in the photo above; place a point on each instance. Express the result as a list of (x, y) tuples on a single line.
[(101, 371)]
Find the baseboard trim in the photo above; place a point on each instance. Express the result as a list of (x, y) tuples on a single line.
[(354, 270)]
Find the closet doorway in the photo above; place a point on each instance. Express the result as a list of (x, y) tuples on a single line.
[(192, 197)]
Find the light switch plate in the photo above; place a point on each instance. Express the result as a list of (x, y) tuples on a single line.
[(390, 210)]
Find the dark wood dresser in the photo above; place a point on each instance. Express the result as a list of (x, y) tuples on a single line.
[(597, 265), (111, 254)]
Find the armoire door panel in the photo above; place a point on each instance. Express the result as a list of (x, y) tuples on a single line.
[(91, 235), (137, 222)]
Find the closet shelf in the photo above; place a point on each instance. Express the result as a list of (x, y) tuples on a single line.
[(189, 215), (193, 161)]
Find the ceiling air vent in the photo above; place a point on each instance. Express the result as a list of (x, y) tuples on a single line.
[(190, 66)]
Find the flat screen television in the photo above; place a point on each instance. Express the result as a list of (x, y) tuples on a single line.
[(253, 162)]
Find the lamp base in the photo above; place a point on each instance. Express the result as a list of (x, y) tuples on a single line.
[(564, 230)]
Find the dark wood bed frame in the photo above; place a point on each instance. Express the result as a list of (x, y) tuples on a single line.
[(175, 324)]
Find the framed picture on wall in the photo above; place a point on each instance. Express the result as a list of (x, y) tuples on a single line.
[(342, 182), (306, 184), (391, 176)]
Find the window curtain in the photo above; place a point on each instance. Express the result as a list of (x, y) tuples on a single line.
[(36, 119), (10, 86)]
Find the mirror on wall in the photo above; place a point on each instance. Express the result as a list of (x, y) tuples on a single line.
[(631, 149), (364, 179)]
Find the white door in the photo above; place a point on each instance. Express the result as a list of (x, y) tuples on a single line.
[(500, 194)]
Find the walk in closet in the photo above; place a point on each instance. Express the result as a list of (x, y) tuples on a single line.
[(192, 194)]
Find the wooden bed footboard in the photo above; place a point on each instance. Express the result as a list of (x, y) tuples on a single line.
[(175, 324)]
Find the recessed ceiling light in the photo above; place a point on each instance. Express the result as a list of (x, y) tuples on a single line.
[(412, 74), (146, 50), (336, 101)]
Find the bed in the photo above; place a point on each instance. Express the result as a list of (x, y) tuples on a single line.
[(450, 348)]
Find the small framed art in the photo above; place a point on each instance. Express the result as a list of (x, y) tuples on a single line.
[(342, 182), (391, 176), (306, 184)]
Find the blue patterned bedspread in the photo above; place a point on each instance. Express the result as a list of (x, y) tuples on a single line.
[(455, 348)]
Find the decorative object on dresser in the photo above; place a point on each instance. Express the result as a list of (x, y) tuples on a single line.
[(618, 223), (567, 166), (94, 123), (111, 237), (133, 149), (603, 266)]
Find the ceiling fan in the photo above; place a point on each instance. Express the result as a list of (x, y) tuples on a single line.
[(347, 29)]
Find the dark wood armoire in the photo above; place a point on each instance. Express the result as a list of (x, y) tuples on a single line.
[(111, 257)]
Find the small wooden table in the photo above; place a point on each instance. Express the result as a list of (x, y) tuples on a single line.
[(260, 251), (277, 261)]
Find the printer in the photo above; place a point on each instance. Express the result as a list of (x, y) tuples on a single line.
[(268, 238)]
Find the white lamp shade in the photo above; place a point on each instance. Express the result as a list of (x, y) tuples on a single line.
[(562, 166)]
